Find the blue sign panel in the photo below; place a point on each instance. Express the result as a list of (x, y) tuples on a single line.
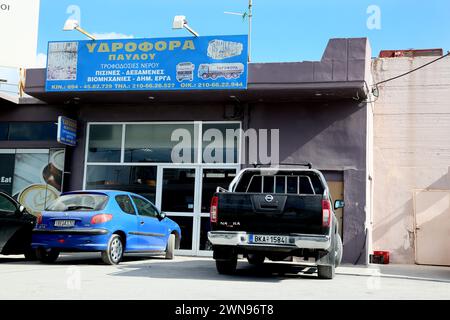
[(67, 131), (213, 62)]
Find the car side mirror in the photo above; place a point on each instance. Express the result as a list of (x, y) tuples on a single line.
[(338, 204), (162, 215), (20, 210)]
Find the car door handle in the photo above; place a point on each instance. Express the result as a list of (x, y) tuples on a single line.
[(142, 222)]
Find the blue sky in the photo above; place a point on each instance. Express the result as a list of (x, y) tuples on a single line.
[(283, 30)]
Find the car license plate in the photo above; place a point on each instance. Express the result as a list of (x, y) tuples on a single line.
[(269, 239), (64, 223)]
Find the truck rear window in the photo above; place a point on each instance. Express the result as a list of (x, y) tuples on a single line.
[(280, 181), (281, 184)]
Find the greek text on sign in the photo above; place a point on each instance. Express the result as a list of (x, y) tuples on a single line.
[(213, 62), (67, 131)]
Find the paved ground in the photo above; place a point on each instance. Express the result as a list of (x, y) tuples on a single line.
[(83, 276)]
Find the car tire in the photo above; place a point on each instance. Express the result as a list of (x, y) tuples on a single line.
[(114, 251), (30, 254), (226, 266), (339, 250), (255, 259), (47, 255), (170, 249), (326, 272)]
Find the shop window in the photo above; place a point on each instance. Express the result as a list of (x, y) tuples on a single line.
[(105, 143), (28, 131), (213, 178), (136, 179), (220, 142), (204, 228), (186, 226), (178, 190), (37, 180), (4, 129), (161, 143)]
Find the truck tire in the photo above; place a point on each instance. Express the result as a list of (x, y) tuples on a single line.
[(170, 247), (339, 250), (326, 272), (226, 266), (255, 259)]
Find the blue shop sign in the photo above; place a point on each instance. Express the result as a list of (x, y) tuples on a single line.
[(67, 131), (212, 62)]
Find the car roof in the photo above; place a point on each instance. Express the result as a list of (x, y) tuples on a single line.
[(111, 193)]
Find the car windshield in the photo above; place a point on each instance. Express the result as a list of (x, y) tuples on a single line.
[(79, 202)]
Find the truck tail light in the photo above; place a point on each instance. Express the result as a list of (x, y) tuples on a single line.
[(39, 219), (101, 218), (326, 213), (214, 211)]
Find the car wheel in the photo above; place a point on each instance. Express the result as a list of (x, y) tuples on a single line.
[(30, 254), (255, 259), (170, 250), (326, 272), (339, 250), (114, 252), (47, 255), (226, 266)]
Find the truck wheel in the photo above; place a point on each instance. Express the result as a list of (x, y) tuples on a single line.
[(226, 266), (255, 259), (47, 255), (326, 272), (339, 250), (170, 247)]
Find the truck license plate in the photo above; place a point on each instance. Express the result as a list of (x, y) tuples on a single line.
[(64, 223), (269, 239)]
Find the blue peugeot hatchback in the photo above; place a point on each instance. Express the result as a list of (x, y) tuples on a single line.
[(110, 222)]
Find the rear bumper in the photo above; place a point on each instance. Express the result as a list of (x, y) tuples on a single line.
[(92, 232), (295, 241), (71, 240)]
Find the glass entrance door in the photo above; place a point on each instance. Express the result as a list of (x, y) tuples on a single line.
[(185, 196), (177, 198), (210, 179)]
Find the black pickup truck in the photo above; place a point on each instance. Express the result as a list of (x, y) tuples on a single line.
[(275, 213)]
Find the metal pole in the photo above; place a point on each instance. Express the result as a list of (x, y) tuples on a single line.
[(250, 14), (87, 34)]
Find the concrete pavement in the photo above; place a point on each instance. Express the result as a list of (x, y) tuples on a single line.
[(83, 276)]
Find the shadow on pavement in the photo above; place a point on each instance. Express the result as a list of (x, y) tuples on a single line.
[(206, 270)]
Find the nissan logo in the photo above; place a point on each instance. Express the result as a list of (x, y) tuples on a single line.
[(269, 198)]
